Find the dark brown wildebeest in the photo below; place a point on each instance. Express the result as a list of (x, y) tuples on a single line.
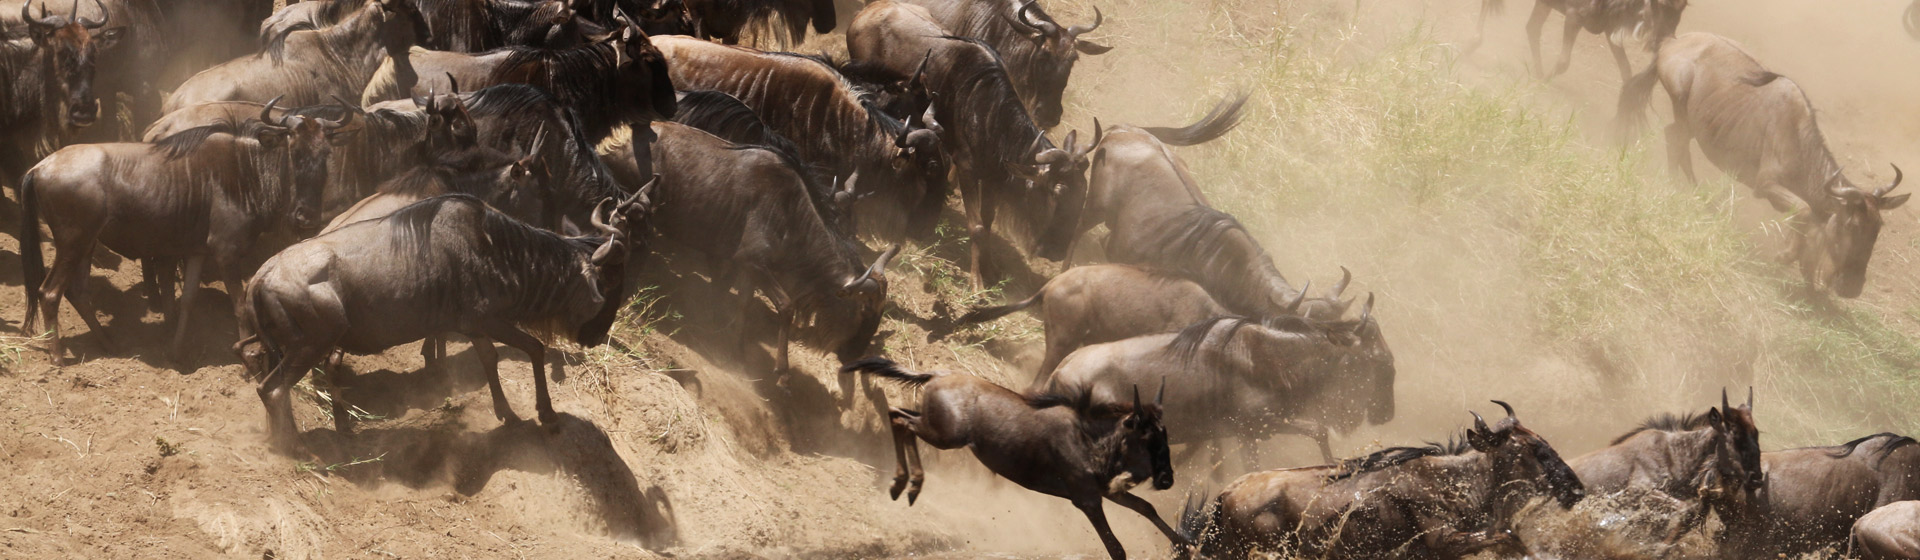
[(130, 64), (1613, 20), (974, 97), (1815, 494), (1889, 532), (749, 210), (1246, 379), (46, 95), (1706, 462), (835, 125), (617, 81), (508, 184), (1100, 303), (1159, 219), (1759, 127), (725, 116), (1439, 501), (358, 289), (1052, 444), (455, 25), (310, 67), (726, 20), (204, 194), (1038, 51)]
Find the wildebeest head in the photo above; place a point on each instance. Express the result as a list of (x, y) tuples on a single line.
[(1660, 18), (1524, 465), (643, 71), (921, 158), (308, 143), (1372, 361), (1062, 173), (1142, 454), (450, 126), (606, 269), (1738, 456), (869, 290), (1058, 48), (1836, 255), (67, 47), (401, 26)]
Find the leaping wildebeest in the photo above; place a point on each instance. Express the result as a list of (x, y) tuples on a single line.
[(749, 211), (1705, 462), (1247, 379), (311, 67), (834, 124), (1053, 444), (1759, 127), (1092, 304), (443, 264), (47, 94), (1038, 51), (1612, 20), (985, 124), (206, 194), (1438, 501), (1160, 219)]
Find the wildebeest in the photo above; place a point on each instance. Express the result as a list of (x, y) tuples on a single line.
[(974, 97), (725, 116), (454, 25), (726, 20), (313, 66), (204, 194), (835, 125), (129, 65), (1889, 532), (749, 211), (620, 80), (1247, 379), (1100, 303), (1038, 51), (1706, 462), (506, 182), (1759, 127), (447, 263), (1437, 501), (1815, 494), (1160, 219), (1052, 444), (47, 93), (1654, 20)]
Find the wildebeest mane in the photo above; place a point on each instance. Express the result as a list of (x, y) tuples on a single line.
[(1666, 422), (1395, 456), (535, 269), (1897, 441), (1004, 127), (183, 143), (592, 180), (572, 73), (1187, 344)]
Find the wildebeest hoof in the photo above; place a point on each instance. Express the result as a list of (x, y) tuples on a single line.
[(913, 495), (898, 485), (549, 419)]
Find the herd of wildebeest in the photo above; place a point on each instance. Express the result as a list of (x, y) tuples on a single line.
[(495, 169)]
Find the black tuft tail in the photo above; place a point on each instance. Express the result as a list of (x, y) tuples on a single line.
[(33, 267), (886, 368), (1221, 119), (1632, 113), (1197, 517), (984, 314)]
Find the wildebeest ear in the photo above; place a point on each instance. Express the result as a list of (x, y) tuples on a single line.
[(107, 38), (1892, 202), (1714, 419), (1090, 47)]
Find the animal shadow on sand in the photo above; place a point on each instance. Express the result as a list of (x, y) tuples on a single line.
[(450, 454)]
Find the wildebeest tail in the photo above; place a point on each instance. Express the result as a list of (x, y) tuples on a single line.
[(1221, 119), (33, 270), (1631, 115), (1198, 516), (984, 314), (888, 369)]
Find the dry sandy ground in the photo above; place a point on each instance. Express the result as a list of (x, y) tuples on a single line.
[(123, 456)]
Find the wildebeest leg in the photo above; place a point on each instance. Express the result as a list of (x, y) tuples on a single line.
[(1570, 34), (1620, 57), (490, 364), (979, 213), (70, 267), (1314, 431), (1534, 23), (189, 291), (783, 332), (1680, 146), (77, 296), (916, 475), (276, 393), (903, 440), (337, 376), (537, 355), (1140, 506), (1098, 517)]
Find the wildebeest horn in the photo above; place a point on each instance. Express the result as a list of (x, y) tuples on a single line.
[(539, 142), (1341, 287), (870, 280), (1161, 397), (1897, 176), (453, 86), (1052, 156), (921, 72), (1075, 31), (1044, 27), (1366, 313), (604, 208), (266, 112), (1479, 423), (345, 119), (89, 24), (1723, 400), (1098, 134), (27, 16), (1136, 399), (1034, 148), (926, 120), (1508, 407), (1749, 397), (1293, 307)]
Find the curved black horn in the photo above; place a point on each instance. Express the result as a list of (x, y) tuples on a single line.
[(266, 112), (605, 207), (1723, 400), (1161, 397), (1293, 307), (1341, 287), (1098, 134), (90, 24), (1897, 176), (1045, 27), (453, 85), (42, 21), (1508, 407), (1366, 313), (539, 144), (1479, 423), (1075, 31), (1136, 398)]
